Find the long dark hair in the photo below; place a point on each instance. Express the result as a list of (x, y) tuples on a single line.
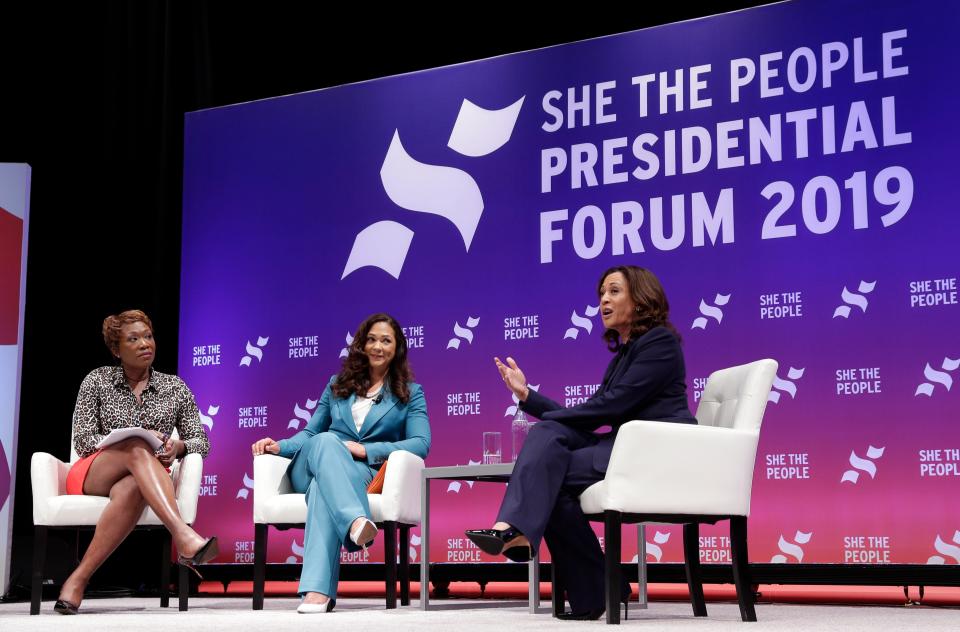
[(653, 310), (354, 376)]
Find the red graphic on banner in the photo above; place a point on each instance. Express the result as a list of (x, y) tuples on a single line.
[(11, 239)]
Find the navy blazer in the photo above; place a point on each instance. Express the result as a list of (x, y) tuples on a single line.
[(645, 380), (390, 425)]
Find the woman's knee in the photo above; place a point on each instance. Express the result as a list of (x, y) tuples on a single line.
[(323, 440), (127, 491), (134, 446)]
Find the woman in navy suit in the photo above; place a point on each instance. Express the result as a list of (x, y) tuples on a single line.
[(368, 410), (563, 455)]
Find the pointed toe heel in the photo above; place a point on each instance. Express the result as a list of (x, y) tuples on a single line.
[(204, 554), (65, 607), (494, 542), (364, 534)]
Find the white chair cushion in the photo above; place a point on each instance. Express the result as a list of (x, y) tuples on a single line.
[(274, 502), (659, 467), (52, 506)]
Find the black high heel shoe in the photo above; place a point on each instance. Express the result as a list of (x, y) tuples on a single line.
[(65, 607), (494, 542), (204, 554)]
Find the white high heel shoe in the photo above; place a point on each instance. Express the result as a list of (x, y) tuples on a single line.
[(364, 534), (317, 608)]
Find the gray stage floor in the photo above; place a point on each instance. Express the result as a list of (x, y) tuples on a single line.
[(212, 614)]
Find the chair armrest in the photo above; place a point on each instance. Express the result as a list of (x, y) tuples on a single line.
[(269, 480), (662, 467), (400, 499), (187, 479), (48, 478)]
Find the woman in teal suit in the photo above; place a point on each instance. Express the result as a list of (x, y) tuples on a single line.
[(368, 410)]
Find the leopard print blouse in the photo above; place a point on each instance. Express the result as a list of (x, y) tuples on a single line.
[(106, 403)]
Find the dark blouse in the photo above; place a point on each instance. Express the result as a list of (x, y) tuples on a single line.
[(106, 403)]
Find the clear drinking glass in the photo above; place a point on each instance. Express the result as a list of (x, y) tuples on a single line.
[(492, 452)]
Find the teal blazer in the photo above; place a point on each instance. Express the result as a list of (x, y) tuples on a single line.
[(390, 425)]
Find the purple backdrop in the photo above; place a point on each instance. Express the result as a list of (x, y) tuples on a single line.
[(785, 171)]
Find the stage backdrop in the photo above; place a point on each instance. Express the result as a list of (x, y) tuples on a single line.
[(14, 212), (787, 171)]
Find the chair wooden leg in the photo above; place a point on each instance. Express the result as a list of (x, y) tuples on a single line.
[(39, 557), (612, 523), (405, 565), (557, 597), (259, 564), (390, 561), (184, 585), (691, 557), (741, 567), (165, 548)]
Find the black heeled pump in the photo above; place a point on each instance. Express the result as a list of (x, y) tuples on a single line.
[(204, 554), (494, 542)]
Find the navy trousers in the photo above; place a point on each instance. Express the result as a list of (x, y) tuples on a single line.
[(554, 467)]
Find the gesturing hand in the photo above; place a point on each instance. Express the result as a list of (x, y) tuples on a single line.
[(513, 377), (264, 446)]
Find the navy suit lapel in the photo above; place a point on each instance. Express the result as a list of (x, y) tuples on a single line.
[(615, 368)]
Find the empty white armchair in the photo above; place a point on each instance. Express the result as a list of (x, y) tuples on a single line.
[(687, 474), (397, 508), (53, 508)]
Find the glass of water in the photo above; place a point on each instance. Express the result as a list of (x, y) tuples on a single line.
[(492, 451)]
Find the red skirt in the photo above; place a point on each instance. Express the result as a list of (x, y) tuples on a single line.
[(78, 473)]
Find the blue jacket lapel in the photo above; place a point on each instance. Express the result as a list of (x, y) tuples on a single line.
[(346, 414), (378, 411)]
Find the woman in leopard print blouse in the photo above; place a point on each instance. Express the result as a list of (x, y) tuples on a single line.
[(130, 472)]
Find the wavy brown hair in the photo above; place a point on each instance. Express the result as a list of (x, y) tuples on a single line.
[(354, 376), (113, 324), (647, 293)]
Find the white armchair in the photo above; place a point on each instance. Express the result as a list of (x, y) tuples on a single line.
[(54, 509), (398, 507), (689, 474)]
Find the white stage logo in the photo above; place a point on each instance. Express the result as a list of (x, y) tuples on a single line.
[(448, 192), (581, 322), (207, 420), (297, 550), (244, 491), (786, 386), (937, 377), (713, 311), (791, 549), (853, 299), (946, 550), (864, 465), (254, 351), (302, 414), (464, 333)]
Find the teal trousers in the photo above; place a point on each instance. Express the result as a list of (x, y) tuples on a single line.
[(336, 487)]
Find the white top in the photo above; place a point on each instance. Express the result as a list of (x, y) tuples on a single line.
[(361, 406)]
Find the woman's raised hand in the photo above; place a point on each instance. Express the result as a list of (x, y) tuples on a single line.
[(266, 445), (513, 377)]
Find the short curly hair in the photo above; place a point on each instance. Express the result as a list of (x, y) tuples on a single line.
[(113, 324)]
